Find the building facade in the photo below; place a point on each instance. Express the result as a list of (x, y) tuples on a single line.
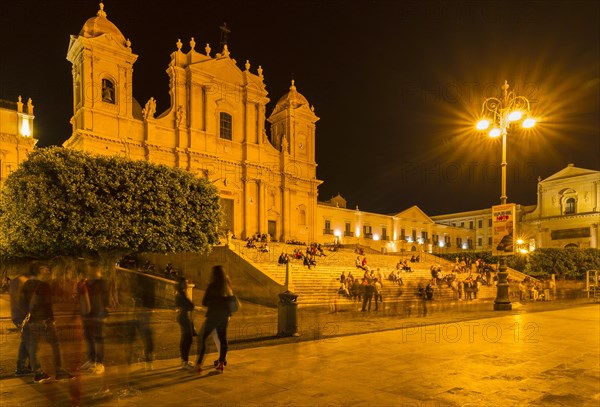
[(215, 127), (16, 135), (406, 231), (567, 214)]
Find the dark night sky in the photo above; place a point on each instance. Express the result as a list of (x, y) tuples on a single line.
[(398, 85)]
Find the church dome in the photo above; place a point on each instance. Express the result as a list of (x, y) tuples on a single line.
[(292, 98), (99, 25)]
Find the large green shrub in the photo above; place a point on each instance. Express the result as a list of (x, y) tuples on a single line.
[(565, 263), (61, 202)]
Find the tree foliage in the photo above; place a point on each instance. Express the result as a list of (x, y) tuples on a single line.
[(542, 263), (565, 263), (61, 202)]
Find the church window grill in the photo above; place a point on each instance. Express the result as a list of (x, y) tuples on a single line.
[(225, 121), (570, 206)]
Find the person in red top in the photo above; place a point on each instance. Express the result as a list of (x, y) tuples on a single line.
[(364, 263)]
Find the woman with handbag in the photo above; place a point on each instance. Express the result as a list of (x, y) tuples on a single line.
[(220, 303), (186, 323)]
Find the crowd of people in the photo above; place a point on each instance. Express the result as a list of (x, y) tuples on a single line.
[(534, 290), (32, 312), (364, 289), (257, 240), (307, 256)]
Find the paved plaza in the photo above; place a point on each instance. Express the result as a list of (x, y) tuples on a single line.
[(547, 358)]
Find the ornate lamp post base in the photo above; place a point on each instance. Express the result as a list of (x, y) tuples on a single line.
[(502, 302)]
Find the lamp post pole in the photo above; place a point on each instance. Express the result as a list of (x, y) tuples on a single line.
[(500, 113), (503, 165)]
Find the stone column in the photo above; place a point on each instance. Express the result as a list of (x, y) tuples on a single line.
[(261, 206), (285, 218), (245, 209)]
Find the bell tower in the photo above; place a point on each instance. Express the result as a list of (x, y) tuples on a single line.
[(293, 128), (293, 134), (102, 67)]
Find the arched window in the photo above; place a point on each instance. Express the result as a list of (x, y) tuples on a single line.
[(569, 206), (225, 126), (108, 91)]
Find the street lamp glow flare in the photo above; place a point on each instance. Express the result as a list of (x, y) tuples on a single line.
[(515, 116), (500, 113), (495, 132), (528, 123), (483, 124)]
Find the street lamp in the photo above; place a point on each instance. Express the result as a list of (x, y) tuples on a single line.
[(499, 114)]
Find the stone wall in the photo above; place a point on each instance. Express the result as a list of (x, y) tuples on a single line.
[(249, 283)]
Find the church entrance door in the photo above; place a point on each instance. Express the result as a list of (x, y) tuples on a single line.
[(272, 229)]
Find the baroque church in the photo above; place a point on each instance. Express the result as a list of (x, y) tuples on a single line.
[(214, 127), (263, 163)]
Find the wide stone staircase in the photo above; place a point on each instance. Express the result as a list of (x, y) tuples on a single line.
[(318, 286)]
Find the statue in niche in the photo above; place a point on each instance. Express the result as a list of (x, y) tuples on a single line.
[(284, 144), (179, 115), (149, 109)]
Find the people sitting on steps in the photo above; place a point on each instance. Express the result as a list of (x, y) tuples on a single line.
[(283, 259)]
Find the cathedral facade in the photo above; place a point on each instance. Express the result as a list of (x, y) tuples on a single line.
[(214, 127)]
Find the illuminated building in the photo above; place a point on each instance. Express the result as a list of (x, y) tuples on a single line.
[(567, 213), (16, 135)]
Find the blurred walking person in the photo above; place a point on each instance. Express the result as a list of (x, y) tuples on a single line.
[(40, 323), (217, 299), (144, 296), (96, 289), (185, 321), (18, 312)]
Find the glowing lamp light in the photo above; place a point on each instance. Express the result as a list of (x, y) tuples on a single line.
[(357, 232), (442, 243), (375, 236), (519, 241), (528, 123), (514, 116), (465, 246), (495, 132), (337, 233), (483, 124), (25, 130)]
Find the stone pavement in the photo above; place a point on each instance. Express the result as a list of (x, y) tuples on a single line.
[(549, 358)]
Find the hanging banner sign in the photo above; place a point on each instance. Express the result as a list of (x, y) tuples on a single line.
[(503, 227)]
